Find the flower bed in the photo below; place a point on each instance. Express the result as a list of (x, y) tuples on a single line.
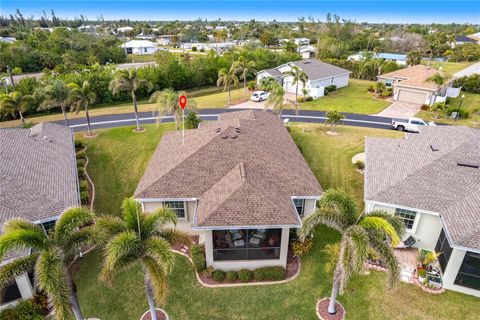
[(161, 315), (322, 310)]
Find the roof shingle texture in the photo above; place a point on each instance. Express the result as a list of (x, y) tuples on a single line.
[(316, 69), (407, 172), (415, 76), (243, 169)]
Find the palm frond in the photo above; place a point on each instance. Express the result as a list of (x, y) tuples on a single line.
[(160, 218), (378, 224), (108, 227), (394, 221), (175, 236), (326, 217), (332, 251), (80, 240), (160, 250), (16, 268), (358, 243), (388, 257), (71, 220), (131, 211), (342, 203), (22, 239), (157, 278)]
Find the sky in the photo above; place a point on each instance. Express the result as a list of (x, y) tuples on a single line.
[(389, 11)]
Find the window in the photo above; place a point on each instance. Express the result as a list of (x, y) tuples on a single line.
[(407, 216), (145, 50), (11, 292), (177, 206), (469, 273), (444, 247), (299, 205), (388, 82), (48, 225), (246, 244), (331, 81)]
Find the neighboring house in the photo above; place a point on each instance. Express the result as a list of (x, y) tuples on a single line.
[(411, 85), (301, 41), (320, 75), (139, 47), (240, 183), (8, 39), (307, 51), (166, 39), (17, 78), (459, 40), (400, 59), (38, 182), (124, 29), (431, 180)]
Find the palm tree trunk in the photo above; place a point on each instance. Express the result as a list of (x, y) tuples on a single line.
[(135, 109), (335, 289), (244, 88), (296, 98), (88, 121), (74, 300), (228, 95), (149, 293), (64, 115), (21, 116)]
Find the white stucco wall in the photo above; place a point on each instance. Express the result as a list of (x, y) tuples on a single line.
[(339, 81), (448, 277), (185, 225), (140, 51), (262, 74)]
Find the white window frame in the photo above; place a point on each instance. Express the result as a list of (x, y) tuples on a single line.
[(303, 206), (185, 218), (415, 219)]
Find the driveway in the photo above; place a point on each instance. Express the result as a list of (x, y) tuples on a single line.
[(400, 109), (249, 105), (468, 71)]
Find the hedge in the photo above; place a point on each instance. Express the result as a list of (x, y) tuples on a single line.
[(245, 275), (231, 276), (198, 257), (218, 275), (269, 274)]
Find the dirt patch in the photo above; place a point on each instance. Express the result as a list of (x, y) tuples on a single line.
[(161, 315), (322, 310)]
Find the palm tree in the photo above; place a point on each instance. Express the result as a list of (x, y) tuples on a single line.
[(82, 97), (57, 96), (167, 102), (144, 238), (297, 76), (413, 58), (244, 68), (334, 118), (15, 102), (129, 81), (359, 234), (439, 79), (51, 254), (227, 78), (276, 98)]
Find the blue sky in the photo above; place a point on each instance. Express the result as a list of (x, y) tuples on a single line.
[(440, 11)]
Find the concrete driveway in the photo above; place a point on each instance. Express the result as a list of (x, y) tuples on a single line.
[(400, 109), (468, 71), (249, 105)]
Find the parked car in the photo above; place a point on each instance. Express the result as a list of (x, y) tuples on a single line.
[(259, 96), (412, 124)]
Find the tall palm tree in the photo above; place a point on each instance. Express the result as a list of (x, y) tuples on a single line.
[(15, 102), (414, 58), (297, 76), (167, 102), (129, 81), (276, 98), (440, 79), (244, 68), (51, 254), (334, 118), (82, 97), (57, 96), (227, 78), (144, 238), (359, 234)]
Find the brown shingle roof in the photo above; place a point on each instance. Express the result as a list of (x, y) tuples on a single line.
[(415, 76), (243, 168)]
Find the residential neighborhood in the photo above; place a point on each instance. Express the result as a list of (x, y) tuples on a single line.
[(251, 160)]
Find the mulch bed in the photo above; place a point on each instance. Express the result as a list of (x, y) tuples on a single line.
[(322, 310), (160, 315), (183, 248)]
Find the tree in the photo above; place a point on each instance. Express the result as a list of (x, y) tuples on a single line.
[(51, 254), (57, 96), (167, 102), (334, 118), (414, 58), (227, 78), (437, 108), (129, 81), (140, 238), (359, 234), (290, 46), (244, 68), (15, 102), (192, 121), (268, 38), (297, 77), (276, 98), (440, 79), (82, 97)]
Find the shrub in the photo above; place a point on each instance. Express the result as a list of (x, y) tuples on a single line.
[(28, 125), (9, 314), (41, 301), (331, 88), (79, 145), (245, 275), (424, 107), (25, 310), (218, 275), (81, 172), (269, 274), (300, 248), (251, 85), (198, 257), (359, 164), (422, 273), (299, 99), (192, 121), (387, 92), (84, 197), (371, 88), (231, 276), (208, 272), (83, 185), (202, 49), (308, 98), (194, 48), (462, 113), (80, 162), (81, 155)]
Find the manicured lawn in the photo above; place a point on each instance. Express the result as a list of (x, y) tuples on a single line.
[(118, 158), (141, 58), (450, 67), (353, 98)]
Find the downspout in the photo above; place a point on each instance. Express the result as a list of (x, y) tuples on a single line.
[(74, 159)]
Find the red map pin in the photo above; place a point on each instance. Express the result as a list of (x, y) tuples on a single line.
[(183, 102)]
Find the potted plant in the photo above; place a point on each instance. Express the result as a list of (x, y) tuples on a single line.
[(422, 275)]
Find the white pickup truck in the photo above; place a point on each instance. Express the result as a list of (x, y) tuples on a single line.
[(412, 124)]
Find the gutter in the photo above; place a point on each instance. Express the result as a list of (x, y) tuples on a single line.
[(74, 159)]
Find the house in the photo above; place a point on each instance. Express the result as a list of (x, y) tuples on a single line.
[(8, 39), (307, 51), (411, 85), (166, 39), (459, 40), (139, 47), (124, 29), (320, 75), (400, 59), (38, 181), (301, 41), (240, 183), (431, 180)]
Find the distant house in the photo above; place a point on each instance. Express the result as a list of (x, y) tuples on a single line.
[(239, 183), (166, 39), (8, 39), (17, 78), (459, 40), (431, 180), (301, 41), (400, 59), (124, 29), (38, 182), (221, 28), (307, 51), (320, 75), (139, 47), (411, 85)]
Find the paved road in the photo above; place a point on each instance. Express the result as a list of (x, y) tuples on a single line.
[(308, 116), (468, 71)]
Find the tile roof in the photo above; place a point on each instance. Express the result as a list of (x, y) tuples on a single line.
[(316, 69), (243, 169), (464, 39), (273, 71), (415, 76), (407, 172)]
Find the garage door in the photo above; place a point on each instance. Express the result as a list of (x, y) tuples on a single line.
[(412, 96), (290, 87)]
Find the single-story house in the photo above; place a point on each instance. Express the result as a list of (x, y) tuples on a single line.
[(38, 182), (8, 39), (139, 47), (301, 41), (125, 29), (307, 51), (165, 39), (320, 75), (400, 59), (240, 183), (459, 40), (411, 85), (431, 180)]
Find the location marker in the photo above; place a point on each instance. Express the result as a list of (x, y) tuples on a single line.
[(183, 102)]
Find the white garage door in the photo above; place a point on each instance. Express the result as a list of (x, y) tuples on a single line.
[(289, 87), (412, 96)]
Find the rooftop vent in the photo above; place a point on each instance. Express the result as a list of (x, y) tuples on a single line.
[(307, 61), (243, 171), (434, 147), (224, 136), (218, 130), (237, 129), (467, 163)]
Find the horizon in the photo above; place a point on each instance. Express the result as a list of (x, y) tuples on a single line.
[(373, 11)]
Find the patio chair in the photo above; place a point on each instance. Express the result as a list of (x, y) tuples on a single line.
[(409, 242)]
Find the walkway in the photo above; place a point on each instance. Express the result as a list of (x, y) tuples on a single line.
[(468, 71)]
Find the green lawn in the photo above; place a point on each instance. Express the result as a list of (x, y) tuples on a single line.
[(353, 98), (141, 58), (450, 67), (118, 158)]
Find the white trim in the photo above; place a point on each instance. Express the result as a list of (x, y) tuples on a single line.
[(165, 199), (46, 220), (333, 76), (450, 242), (248, 227), (403, 207)]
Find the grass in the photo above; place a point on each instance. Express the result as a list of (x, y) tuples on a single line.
[(141, 58), (450, 67), (118, 158), (355, 98)]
